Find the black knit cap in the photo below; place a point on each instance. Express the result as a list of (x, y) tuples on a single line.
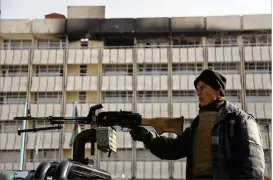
[(213, 79)]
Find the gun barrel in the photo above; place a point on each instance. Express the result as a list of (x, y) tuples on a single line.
[(51, 118), (38, 129), (30, 118)]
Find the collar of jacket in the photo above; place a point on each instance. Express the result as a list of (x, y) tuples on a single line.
[(227, 110)]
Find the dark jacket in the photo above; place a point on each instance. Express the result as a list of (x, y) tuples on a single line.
[(237, 151)]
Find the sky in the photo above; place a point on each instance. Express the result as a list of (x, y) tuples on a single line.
[(36, 9)]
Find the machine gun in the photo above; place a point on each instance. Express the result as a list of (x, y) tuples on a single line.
[(124, 119), (102, 132)]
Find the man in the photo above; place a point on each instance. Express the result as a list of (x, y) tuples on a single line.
[(223, 142)]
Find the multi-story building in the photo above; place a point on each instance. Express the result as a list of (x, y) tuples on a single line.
[(145, 65)]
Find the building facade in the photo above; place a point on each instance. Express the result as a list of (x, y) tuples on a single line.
[(144, 65)]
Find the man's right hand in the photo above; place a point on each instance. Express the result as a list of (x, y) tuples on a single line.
[(141, 134)]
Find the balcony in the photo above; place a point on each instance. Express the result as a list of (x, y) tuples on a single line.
[(152, 83), (188, 110), (83, 56), (152, 55), (260, 110), (233, 82), (41, 84), (49, 56), (224, 54), (152, 170), (9, 165), (117, 168), (257, 53), (43, 110), (117, 83), (82, 83), (258, 81), (183, 82), (117, 56), (14, 84), (43, 140), (10, 141), (190, 54), (9, 111), (14, 57), (152, 110)]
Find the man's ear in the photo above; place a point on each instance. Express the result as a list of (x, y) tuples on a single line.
[(218, 93)]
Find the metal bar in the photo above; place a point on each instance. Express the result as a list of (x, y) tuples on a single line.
[(73, 125), (99, 96), (28, 101), (22, 149), (242, 73), (205, 52), (134, 109), (63, 105), (170, 107)]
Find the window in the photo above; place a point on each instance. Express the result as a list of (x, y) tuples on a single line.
[(17, 44), (219, 41), (152, 69), (257, 40), (118, 70), (13, 98), (82, 97), (153, 97), (187, 68), (48, 97), (232, 95), (11, 71), (117, 97), (155, 43), (191, 41), (84, 43), (258, 95), (224, 67), (124, 42), (49, 70), (6, 44), (51, 44), (83, 70), (258, 92), (184, 96), (258, 67)]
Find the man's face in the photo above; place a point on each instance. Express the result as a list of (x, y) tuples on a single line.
[(205, 93)]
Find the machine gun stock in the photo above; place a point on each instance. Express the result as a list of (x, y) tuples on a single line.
[(162, 125)]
